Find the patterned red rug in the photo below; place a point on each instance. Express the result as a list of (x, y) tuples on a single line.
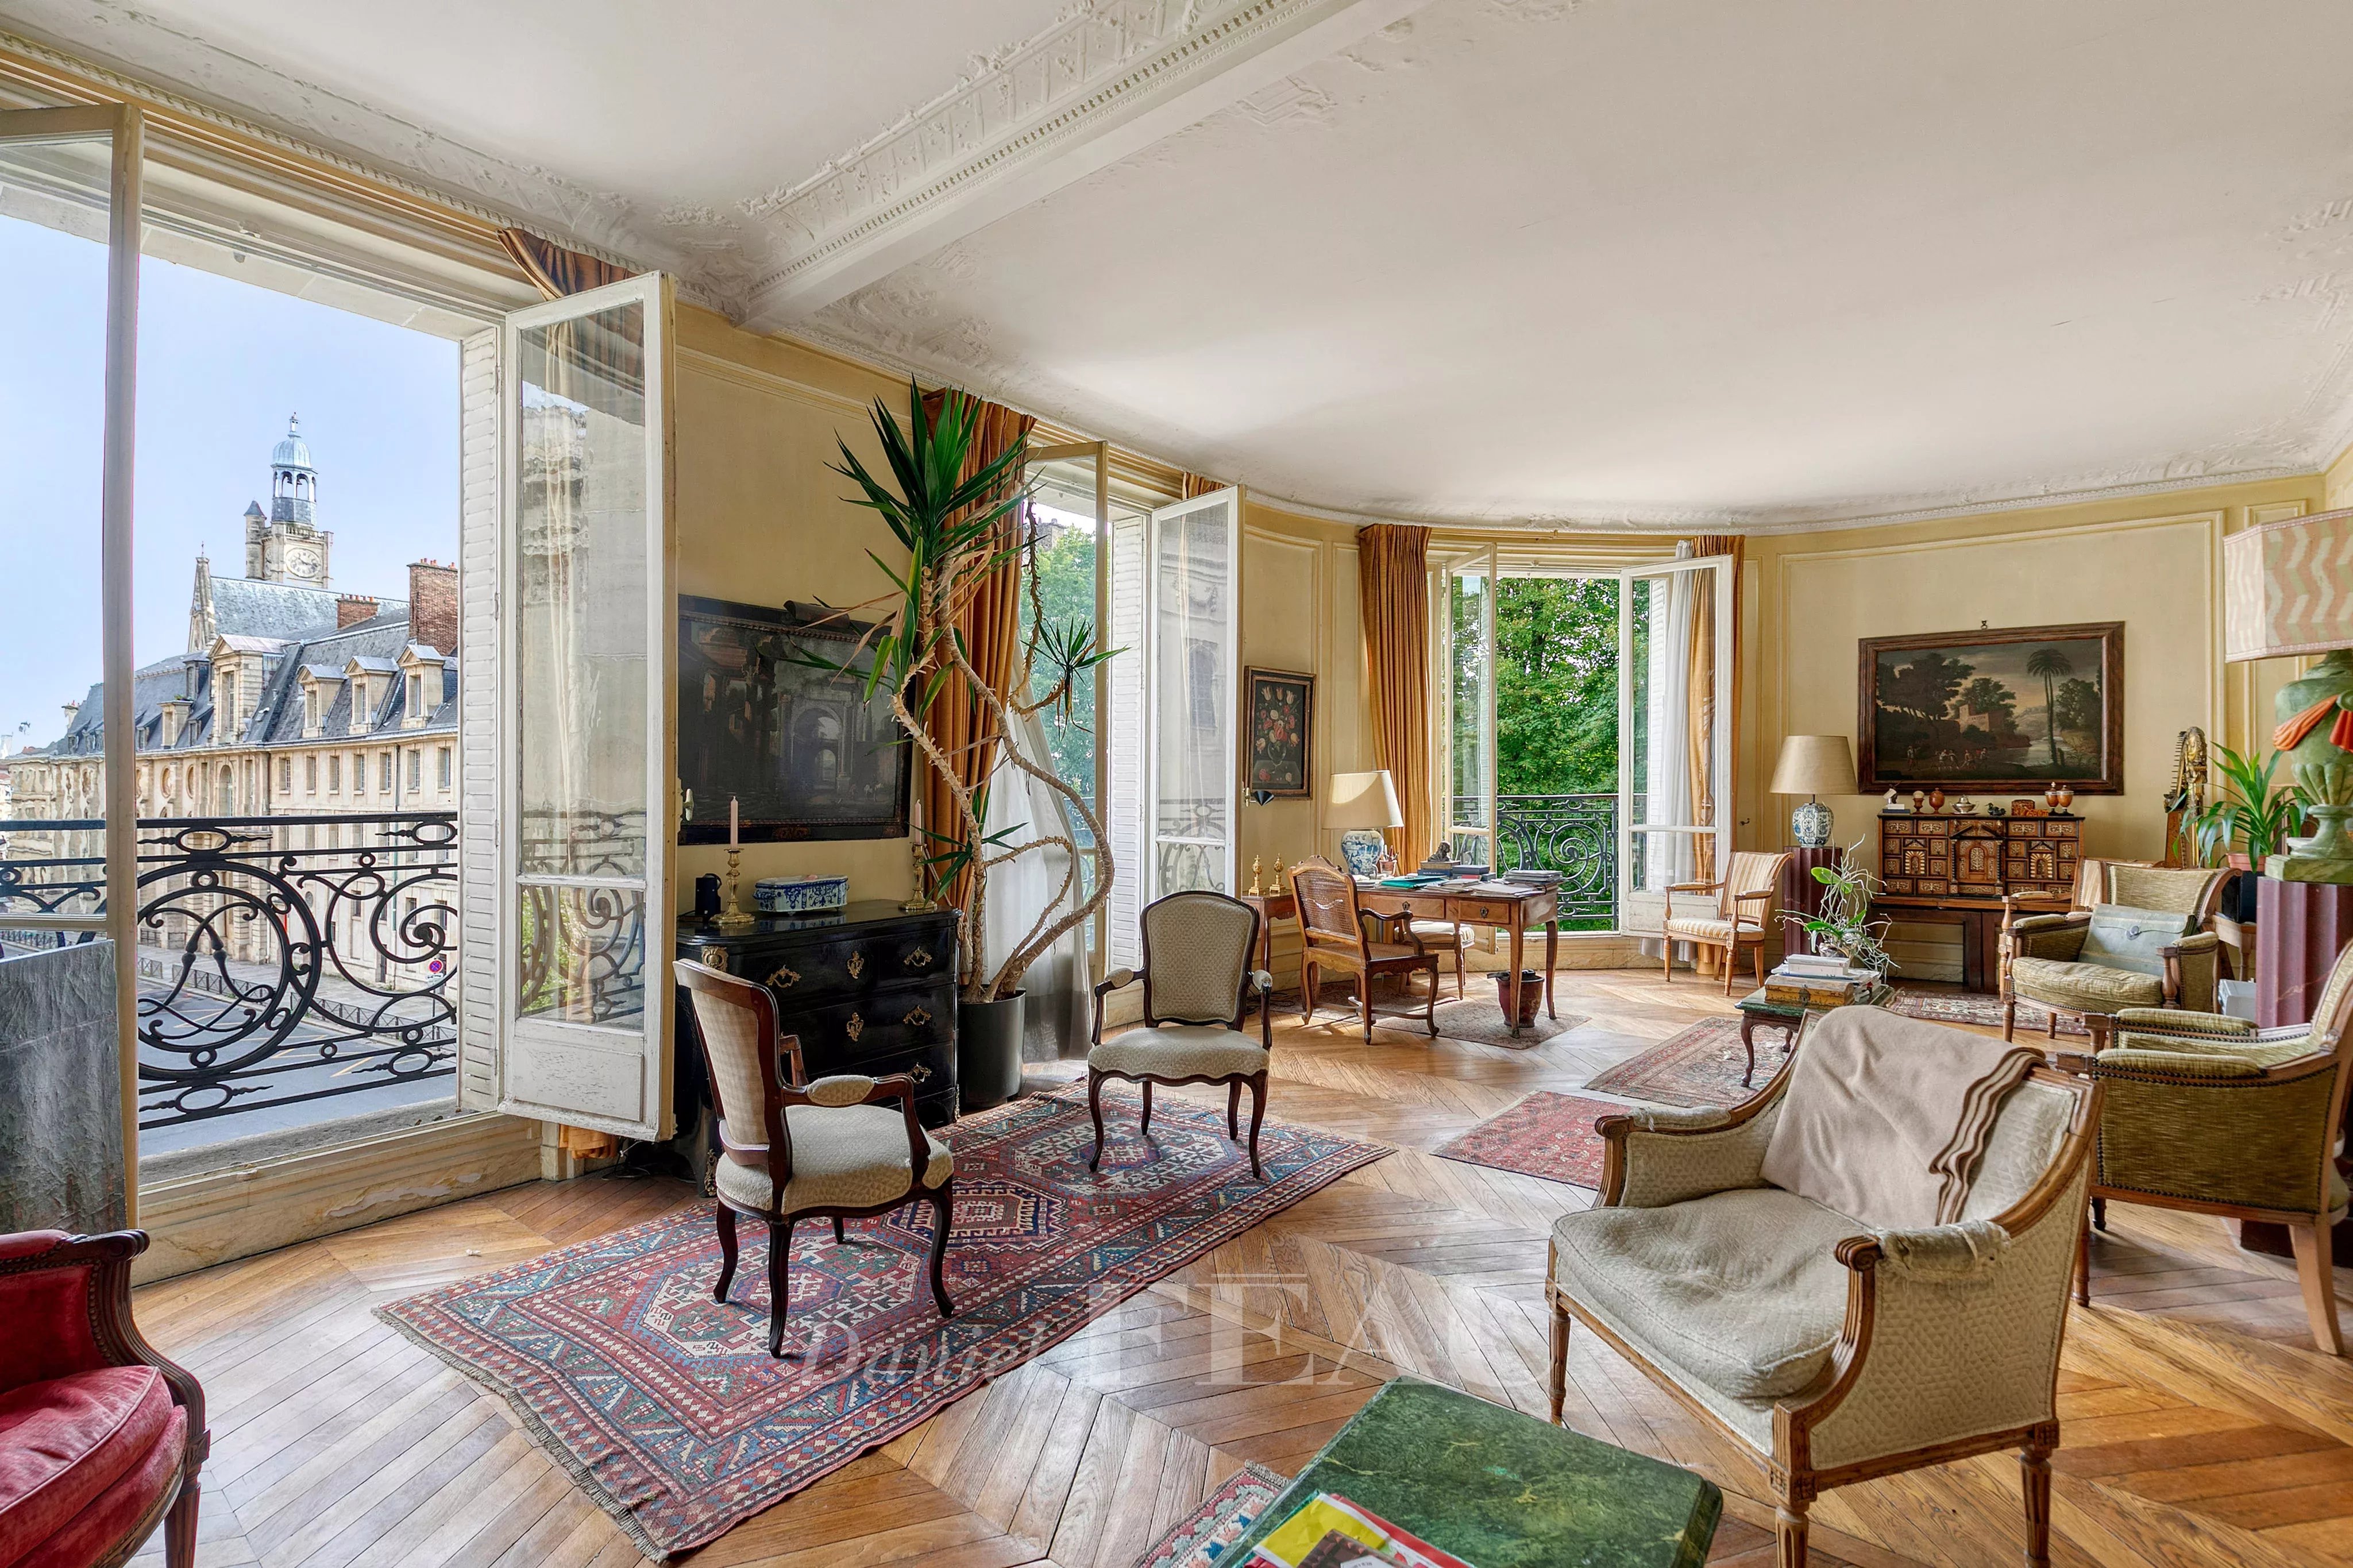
[(1546, 1134), (665, 1405), (1701, 1065), (1219, 1523), (1957, 1007)]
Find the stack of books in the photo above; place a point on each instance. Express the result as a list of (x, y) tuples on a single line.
[(1822, 980), (1534, 879), (1330, 1531)]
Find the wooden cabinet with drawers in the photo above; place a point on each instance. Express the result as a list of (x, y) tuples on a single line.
[(1943, 855)]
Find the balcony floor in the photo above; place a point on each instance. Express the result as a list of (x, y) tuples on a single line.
[(2199, 1426)]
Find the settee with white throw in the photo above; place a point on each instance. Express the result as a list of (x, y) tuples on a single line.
[(1864, 1269)]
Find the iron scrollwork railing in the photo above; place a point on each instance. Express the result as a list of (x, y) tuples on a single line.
[(1574, 834), (282, 959)]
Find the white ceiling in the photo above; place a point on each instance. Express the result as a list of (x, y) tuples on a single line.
[(1661, 262)]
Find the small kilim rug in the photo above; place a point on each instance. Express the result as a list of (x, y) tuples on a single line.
[(1219, 1523), (1701, 1065), (1974, 1007), (1480, 1024), (667, 1409), (1546, 1134)]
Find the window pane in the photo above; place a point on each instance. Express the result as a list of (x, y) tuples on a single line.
[(1124, 815), (581, 581), (1192, 656), (583, 955), (1472, 742), (1674, 672)]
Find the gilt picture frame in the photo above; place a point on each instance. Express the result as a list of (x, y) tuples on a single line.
[(1279, 739), (1996, 709)]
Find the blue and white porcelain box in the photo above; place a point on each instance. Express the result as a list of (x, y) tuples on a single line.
[(800, 895)]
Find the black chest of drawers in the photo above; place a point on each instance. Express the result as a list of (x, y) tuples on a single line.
[(870, 990)]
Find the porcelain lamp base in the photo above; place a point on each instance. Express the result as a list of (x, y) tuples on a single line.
[(1361, 850), (1809, 825)]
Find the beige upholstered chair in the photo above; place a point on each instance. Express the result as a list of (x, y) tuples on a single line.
[(1339, 933), (1744, 903), (2209, 1114), (2043, 959), (1196, 991), (1443, 936), (1834, 1352), (829, 1150)]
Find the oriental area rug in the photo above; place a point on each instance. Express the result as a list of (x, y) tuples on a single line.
[(1978, 1007), (667, 1409), (1546, 1134), (1219, 1523), (1701, 1065)]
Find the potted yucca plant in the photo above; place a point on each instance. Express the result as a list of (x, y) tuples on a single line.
[(2252, 821)]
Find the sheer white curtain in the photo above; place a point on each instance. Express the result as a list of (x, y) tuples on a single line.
[(1668, 742), (1056, 1018)]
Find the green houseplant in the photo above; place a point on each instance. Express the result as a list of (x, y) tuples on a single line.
[(953, 530), (1844, 924), (2252, 821)]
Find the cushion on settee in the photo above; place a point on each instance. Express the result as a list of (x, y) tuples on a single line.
[(115, 1514), (63, 1442), (2087, 988), (1739, 1288)]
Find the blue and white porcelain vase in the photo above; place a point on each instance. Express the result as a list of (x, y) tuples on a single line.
[(1810, 825), (1361, 848)]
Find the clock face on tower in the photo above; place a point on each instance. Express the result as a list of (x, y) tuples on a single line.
[(301, 561)]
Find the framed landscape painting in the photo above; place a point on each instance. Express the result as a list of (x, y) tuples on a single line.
[(2009, 707), (1281, 708)]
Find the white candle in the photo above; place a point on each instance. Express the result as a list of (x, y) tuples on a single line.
[(731, 822)]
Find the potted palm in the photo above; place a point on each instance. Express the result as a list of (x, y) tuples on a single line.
[(953, 530), (2253, 813)]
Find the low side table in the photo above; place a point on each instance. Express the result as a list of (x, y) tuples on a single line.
[(1757, 1010), (1501, 1489)]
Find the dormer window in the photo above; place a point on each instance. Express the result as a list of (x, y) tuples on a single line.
[(318, 684), (421, 667)]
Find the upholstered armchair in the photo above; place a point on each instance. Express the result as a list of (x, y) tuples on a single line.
[(101, 1438), (1197, 987), (2209, 1114), (1833, 1353), (1338, 932), (2044, 959), (1744, 903), (835, 1149)]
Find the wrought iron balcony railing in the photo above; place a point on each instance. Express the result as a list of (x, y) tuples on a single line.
[(1574, 834), (282, 959)]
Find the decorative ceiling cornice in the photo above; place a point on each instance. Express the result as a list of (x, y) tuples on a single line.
[(1108, 78)]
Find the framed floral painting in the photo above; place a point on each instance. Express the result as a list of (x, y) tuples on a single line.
[(1281, 710)]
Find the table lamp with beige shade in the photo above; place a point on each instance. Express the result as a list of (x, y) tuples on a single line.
[(2288, 591), (1813, 765), (1360, 805)]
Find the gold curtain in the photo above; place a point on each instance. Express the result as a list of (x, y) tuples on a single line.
[(1393, 571), (1701, 693), (990, 620), (1200, 485), (555, 270)]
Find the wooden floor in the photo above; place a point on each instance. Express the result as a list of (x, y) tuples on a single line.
[(2200, 1426)]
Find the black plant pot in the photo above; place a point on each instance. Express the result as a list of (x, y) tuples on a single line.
[(988, 1052)]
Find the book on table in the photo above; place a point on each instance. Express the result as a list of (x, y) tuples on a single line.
[(1822, 990), (1328, 1530)]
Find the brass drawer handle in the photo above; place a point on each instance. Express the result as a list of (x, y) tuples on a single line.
[(920, 959), (855, 1027), (918, 1018), (920, 1073), (857, 966), (716, 957), (785, 978)]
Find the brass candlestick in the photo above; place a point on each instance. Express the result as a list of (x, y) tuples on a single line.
[(921, 904), (1254, 888), (732, 916)]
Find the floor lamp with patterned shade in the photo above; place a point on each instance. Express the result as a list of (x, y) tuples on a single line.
[(2288, 590)]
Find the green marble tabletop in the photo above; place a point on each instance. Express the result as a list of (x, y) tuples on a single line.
[(1500, 1489)]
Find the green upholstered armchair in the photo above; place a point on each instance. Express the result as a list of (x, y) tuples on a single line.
[(2042, 958), (2209, 1114)]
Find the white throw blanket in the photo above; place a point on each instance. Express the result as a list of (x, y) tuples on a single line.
[(1886, 1117)]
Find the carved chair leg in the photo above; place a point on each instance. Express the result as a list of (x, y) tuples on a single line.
[(943, 1210), (780, 1290), (1789, 1533), (2050, 1022), (1145, 1124), (1309, 979), (726, 1220), (838, 1238), (1094, 1109), (1667, 958), (2034, 1465), (2100, 1214), (2083, 1267), (2009, 1018), (1459, 991), (1756, 961), (1731, 964), (1233, 1109), (2314, 1270), (1557, 1380), (1257, 1115), (1429, 1013), (1364, 1002), (180, 1526)]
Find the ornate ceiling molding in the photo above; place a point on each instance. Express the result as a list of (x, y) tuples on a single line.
[(1109, 77)]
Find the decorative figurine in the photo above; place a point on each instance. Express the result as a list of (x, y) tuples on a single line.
[(1895, 802), (2050, 796), (1254, 888), (2066, 796), (1935, 798), (1919, 801)]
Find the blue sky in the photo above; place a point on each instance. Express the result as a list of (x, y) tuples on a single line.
[(221, 364)]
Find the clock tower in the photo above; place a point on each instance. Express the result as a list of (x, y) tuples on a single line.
[(288, 545)]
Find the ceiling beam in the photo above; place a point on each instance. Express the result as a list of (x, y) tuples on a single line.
[(1107, 81)]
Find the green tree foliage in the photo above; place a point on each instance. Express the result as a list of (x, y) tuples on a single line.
[(2049, 666), (1557, 686), (1065, 562)]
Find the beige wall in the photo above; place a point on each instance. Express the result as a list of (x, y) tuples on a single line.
[(2153, 562)]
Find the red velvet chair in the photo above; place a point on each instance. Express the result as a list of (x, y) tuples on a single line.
[(99, 1436)]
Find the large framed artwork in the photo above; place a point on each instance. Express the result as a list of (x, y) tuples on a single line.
[(2004, 707), (1281, 708), (804, 753)]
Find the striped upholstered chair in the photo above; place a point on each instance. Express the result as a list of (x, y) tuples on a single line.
[(1743, 907)]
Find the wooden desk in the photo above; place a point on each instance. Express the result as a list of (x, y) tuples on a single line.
[(1515, 913), (1980, 922)]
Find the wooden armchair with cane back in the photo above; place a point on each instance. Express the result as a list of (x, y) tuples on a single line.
[(1744, 906), (834, 1149), (2211, 1115), (1340, 934), (2150, 943)]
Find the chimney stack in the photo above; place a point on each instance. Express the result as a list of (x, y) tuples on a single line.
[(433, 606), (351, 609)]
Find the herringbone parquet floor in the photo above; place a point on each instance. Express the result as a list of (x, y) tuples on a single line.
[(2200, 1427)]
